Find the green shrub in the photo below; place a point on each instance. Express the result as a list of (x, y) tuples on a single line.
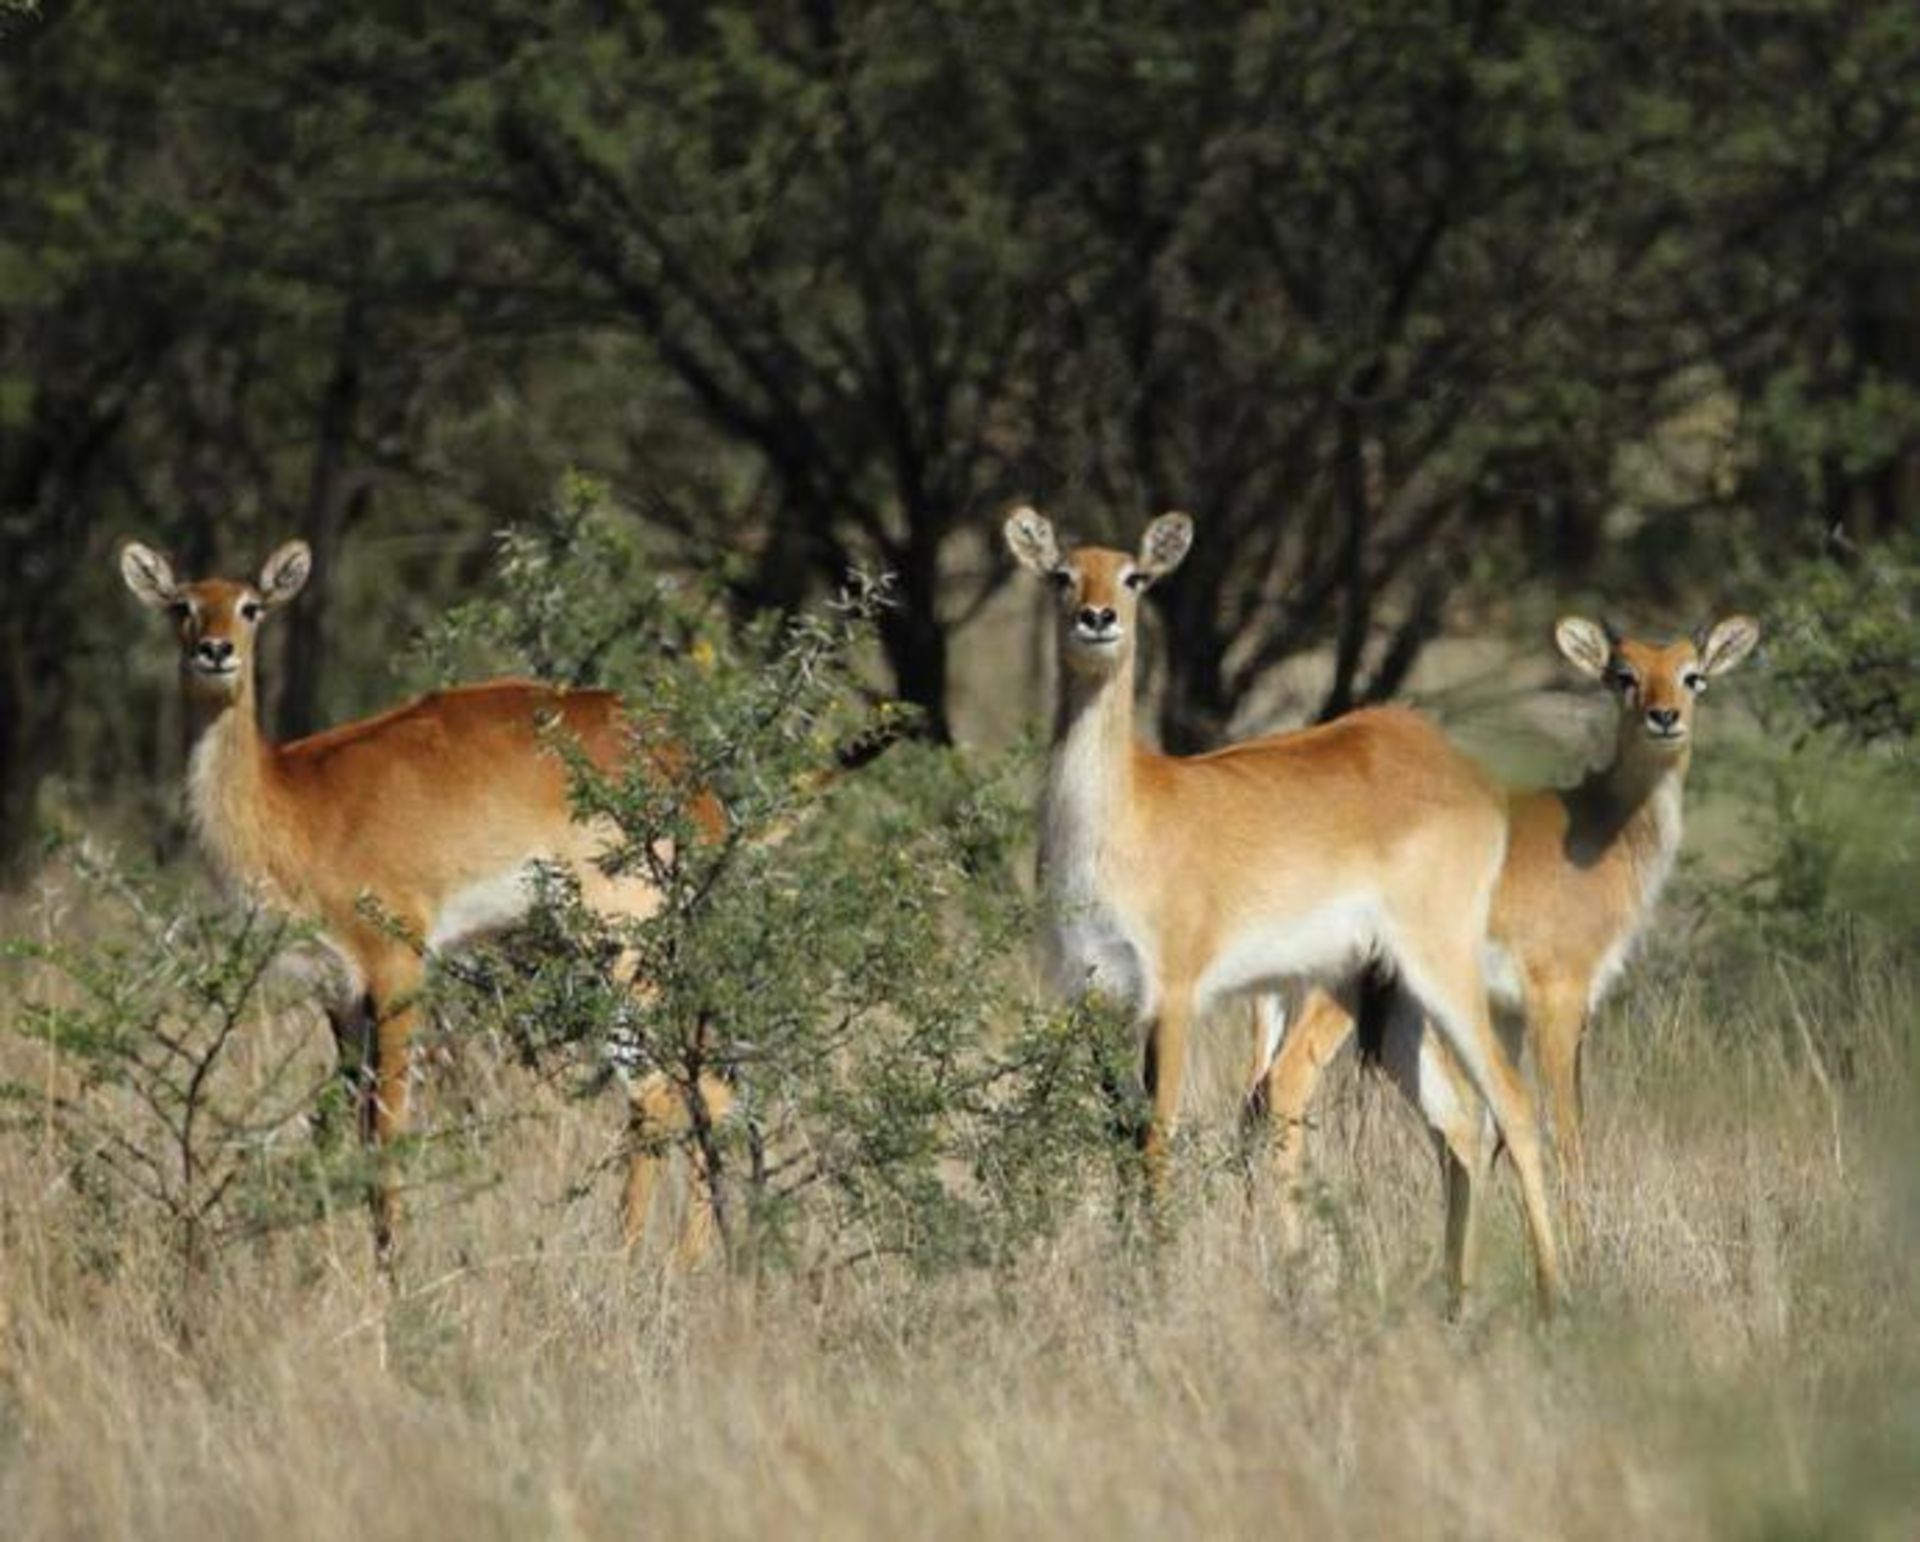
[(847, 954), (153, 1086), (1833, 774), (1845, 644)]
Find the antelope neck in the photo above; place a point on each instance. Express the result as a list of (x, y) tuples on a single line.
[(1089, 773), (231, 784), (1633, 801)]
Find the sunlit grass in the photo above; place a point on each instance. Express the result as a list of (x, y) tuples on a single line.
[(1740, 1357)]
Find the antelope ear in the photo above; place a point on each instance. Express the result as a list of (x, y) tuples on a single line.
[(285, 574), (1164, 546), (1031, 539), (1728, 644), (1584, 644), (149, 575)]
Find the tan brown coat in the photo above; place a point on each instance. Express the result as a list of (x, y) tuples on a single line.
[(1174, 882), (432, 816), (1584, 867)]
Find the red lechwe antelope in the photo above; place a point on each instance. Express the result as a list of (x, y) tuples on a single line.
[(435, 815), (1584, 867), (1174, 882)]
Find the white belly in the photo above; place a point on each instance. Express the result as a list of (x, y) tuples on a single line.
[(1326, 945), (491, 905)]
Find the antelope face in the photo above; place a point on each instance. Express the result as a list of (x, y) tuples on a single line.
[(1656, 685), (215, 619), (1098, 589)]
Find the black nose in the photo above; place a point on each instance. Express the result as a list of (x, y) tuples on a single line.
[(1663, 718), (216, 650), (1097, 620)]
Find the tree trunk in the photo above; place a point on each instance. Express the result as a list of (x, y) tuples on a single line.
[(1197, 707), (1356, 609), (916, 641), (331, 507), (33, 701), (21, 766), (1197, 629)]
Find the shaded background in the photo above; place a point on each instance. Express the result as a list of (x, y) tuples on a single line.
[(1432, 315)]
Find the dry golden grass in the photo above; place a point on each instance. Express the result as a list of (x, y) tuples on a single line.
[(1740, 1357), (1742, 1354)]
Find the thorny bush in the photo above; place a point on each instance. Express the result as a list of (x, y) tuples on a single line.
[(847, 954)]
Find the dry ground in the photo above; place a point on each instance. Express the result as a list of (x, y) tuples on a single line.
[(1740, 1358)]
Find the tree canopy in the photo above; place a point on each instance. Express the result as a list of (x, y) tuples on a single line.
[(1403, 302)]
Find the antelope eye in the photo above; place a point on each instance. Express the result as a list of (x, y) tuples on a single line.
[(179, 609), (1137, 580), (1694, 681), (1060, 578), (251, 610), (1622, 679)]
